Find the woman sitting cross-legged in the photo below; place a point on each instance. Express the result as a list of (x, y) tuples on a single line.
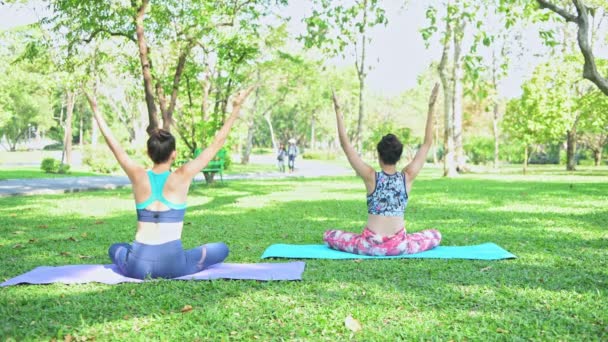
[(387, 195), (160, 200)]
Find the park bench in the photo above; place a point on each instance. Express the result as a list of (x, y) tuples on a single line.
[(216, 165)]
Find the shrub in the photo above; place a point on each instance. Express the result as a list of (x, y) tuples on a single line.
[(99, 159), (50, 165), (479, 150), (319, 155), (53, 147), (261, 150), (64, 168)]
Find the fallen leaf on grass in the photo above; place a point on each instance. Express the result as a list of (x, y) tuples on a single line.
[(43, 226), (84, 235), (67, 338), (32, 240), (65, 253), (17, 246), (485, 269), (18, 232), (233, 333), (85, 256), (357, 260), (186, 308), (98, 222), (502, 331), (352, 324), (71, 238)]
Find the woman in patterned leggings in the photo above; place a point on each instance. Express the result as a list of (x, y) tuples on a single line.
[(387, 197)]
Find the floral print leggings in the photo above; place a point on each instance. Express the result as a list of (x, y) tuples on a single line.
[(370, 243)]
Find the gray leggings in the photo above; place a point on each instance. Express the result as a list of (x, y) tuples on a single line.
[(167, 260)]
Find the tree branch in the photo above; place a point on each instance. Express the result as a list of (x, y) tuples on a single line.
[(590, 71), (544, 4), (181, 62), (111, 33)]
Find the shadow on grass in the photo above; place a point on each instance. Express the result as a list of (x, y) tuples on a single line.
[(565, 264)]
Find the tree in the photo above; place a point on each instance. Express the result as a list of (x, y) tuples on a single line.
[(330, 28), (172, 31), (594, 123), (25, 88), (548, 108), (585, 11)]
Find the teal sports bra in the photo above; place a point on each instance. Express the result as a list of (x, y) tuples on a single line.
[(176, 211)]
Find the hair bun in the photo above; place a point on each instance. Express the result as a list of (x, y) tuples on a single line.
[(161, 134)]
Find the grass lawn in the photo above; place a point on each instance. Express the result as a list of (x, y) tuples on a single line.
[(555, 290), (238, 168), (23, 172)]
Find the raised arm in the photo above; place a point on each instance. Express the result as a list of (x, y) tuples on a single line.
[(413, 168), (190, 169), (126, 163), (363, 170)]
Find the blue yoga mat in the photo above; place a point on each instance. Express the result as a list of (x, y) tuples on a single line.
[(486, 251)]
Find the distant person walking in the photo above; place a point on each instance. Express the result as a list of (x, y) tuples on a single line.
[(292, 152), (281, 154)]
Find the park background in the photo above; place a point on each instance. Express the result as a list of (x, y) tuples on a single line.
[(519, 158)]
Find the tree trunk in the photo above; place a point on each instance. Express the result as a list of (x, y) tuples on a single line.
[(206, 89), (496, 135), (312, 132), (571, 150), (526, 159), (449, 167), (274, 142), (458, 95), (495, 117), (81, 131), (250, 128), (597, 157), (67, 138), (362, 75), (435, 137), (249, 142), (145, 67), (94, 127), (181, 62)]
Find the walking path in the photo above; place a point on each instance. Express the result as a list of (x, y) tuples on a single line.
[(36, 186)]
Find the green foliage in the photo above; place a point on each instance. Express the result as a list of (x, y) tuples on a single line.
[(480, 150), (336, 24), (99, 159), (50, 165), (548, 105), (404, 134), (319, 155), (63, 168)]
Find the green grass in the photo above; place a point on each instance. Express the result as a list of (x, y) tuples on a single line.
[(237, 168), (555, 290), (28, 173)]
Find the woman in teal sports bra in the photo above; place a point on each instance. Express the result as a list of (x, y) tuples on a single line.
[(160, 197)]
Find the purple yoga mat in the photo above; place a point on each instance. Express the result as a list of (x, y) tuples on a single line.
[(108, 274)]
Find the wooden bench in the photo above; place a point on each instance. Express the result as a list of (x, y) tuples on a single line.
[(216, 165)]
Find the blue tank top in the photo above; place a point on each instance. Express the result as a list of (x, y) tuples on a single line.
[(175, 213), (389, 197)]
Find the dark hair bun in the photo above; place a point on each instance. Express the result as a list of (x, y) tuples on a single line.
[(161, 134), (390, 149)]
